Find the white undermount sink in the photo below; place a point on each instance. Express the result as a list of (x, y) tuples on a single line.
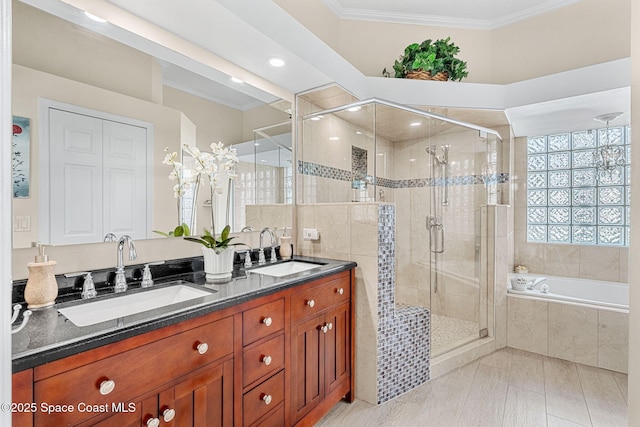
[(100, 311), (285, 268)]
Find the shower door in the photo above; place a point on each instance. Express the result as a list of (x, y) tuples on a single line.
[(460, 174)]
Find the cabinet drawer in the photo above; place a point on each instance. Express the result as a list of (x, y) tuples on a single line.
[(314, 300), (263, 398), (262, 321), (124, 376), (275, 419), (262, 359)]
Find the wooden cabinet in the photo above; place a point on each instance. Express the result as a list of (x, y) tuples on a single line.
[(277, 360), (321, 348), (263, 358), (77, 391), (22, 398)]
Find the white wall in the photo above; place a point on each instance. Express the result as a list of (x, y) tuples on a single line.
[(634, 250)]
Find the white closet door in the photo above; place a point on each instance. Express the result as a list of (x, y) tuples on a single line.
[(98, 178), (125, 179), (75, 183)]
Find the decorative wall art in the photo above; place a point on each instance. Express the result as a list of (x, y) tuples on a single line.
[(20, 144)]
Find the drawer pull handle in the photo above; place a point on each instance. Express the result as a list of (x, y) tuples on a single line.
[(153, 422), (340, 291), (107, 387), (202, 348), (311, 303), (327, 327), (267, 360), (168, 415), (267, 321), (267, 399)]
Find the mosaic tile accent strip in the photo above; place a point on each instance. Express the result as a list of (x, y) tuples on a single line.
[(314, 169), (403, 331)]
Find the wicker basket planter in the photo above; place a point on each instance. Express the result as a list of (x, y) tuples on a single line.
[(425, 75)]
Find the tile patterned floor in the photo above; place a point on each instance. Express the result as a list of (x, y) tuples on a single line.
[(448, 333), (508, 388)]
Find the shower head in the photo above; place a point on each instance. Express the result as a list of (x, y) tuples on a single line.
[(442, 159)]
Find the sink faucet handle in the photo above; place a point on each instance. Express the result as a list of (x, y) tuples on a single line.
[(147, 280), (88, 287), (247, 259), (274, 258)]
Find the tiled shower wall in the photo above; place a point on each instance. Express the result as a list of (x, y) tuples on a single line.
[(392, 343)]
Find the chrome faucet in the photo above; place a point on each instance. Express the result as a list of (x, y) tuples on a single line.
[(535, 282), (121, 281), (261, 259), (110, 237)]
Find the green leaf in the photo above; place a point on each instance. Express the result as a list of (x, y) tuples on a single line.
[(162, 233), (179, 231), (225, 233)]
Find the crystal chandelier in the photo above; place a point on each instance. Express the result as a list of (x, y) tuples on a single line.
[(607, 158)]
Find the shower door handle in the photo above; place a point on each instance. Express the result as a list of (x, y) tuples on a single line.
[(436, 234)]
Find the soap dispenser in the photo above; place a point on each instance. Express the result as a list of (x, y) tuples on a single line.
[(42, 289), (286, 251)]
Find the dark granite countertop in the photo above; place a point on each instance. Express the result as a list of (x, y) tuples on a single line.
[(50, 336)]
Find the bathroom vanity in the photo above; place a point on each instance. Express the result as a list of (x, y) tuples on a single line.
[(259, 350)]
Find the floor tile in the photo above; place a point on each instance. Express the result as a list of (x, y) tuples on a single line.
[(508, 388)]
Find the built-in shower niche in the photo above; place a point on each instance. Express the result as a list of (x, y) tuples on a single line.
[(438, 175)]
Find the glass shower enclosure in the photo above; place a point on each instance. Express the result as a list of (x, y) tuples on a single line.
[(441, 173)]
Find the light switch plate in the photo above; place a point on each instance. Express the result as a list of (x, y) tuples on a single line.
[(310, 234)]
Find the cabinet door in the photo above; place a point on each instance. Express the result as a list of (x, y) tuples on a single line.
[(22, 394), (130, 414), (337, 352), (307, 365), (205, 398)]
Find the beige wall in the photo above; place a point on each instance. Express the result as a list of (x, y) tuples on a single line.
[(585, 33), (259, 117), (55, 46), (29, 85), (349, 231), (215, 122), (634, 262)]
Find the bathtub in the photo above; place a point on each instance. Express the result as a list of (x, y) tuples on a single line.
[(583, 291), (583, 321)]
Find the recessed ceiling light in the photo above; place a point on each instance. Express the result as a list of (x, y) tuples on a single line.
[(380, 154), (315, 119), (415, 124), (334, 138), (236, 80), (256, 143), (412, 160), (358, 133), (263, 160), (276, 62), (95, 18), (354, 109)]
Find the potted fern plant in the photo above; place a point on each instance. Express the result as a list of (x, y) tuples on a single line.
[(430, 60)]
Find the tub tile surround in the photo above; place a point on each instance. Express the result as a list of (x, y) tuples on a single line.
[(585, 262), (575, 333)]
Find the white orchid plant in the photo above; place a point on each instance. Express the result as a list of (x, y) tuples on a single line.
[(218, 167), (183, 185)]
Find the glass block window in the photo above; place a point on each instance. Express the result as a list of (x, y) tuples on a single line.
[(567, 200)]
